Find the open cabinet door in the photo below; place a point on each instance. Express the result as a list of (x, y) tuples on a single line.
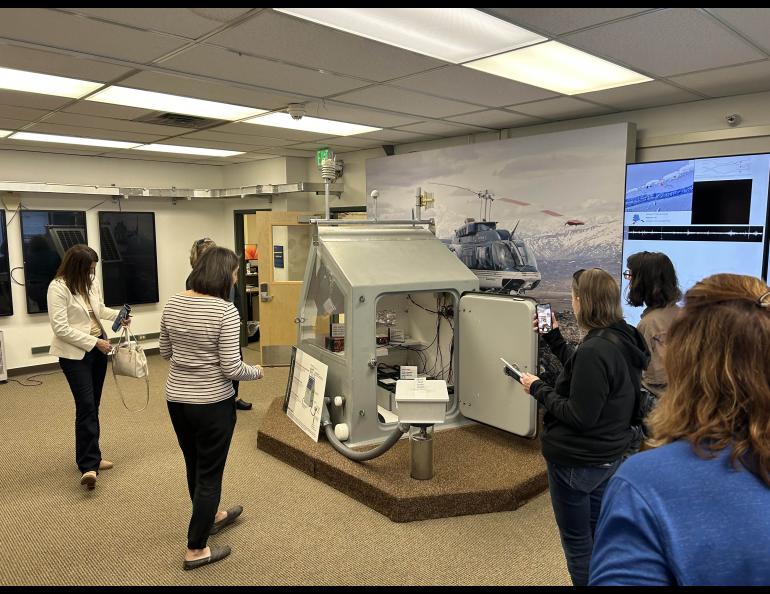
[(490, 327)]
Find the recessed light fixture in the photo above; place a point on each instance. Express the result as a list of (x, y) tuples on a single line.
[(72, 140), (557, 67), (310, 124), (186, 150), (452, 34), (33, 82), (4, 133), (174, 103)]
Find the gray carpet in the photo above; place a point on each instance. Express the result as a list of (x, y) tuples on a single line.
[(131, 529)]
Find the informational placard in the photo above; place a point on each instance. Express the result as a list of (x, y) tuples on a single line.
[(306, 393)]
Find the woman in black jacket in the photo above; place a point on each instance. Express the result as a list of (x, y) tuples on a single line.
[(587, 425)]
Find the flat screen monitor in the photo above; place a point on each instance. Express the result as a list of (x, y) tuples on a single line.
[(708, 215), (45, 236), (6, 301), (128, 257)]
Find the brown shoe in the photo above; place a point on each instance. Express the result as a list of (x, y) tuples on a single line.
[(105, 465), (89, 479)]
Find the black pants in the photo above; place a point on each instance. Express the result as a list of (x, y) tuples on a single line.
[(86, 378), (204, 432)]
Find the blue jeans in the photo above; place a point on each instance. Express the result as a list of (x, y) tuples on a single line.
[(576, 497)]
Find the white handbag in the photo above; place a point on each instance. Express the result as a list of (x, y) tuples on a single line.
[(129, 359)]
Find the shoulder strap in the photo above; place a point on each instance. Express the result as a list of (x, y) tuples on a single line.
[(126, 333)]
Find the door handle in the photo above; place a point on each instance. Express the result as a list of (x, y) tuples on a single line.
[(264, 292)]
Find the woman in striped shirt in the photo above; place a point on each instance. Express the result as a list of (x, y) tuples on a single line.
[(199, 333)]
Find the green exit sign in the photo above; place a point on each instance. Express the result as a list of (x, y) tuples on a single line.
[(320, 155)]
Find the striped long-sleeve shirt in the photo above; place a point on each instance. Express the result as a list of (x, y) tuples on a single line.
[(200, 336)]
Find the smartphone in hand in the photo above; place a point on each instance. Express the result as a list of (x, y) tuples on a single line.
[(544, 321)]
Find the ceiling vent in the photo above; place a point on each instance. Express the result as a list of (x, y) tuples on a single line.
[(179, 120)]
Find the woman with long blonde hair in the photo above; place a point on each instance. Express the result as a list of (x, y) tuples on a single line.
[(694, 510)]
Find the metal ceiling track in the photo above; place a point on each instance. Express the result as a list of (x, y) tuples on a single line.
[(257, 191)]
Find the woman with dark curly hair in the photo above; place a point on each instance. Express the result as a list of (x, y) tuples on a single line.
[(693, 511)]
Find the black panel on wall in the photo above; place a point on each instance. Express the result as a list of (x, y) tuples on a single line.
[(45, 236), (6, 302), (128, 256)]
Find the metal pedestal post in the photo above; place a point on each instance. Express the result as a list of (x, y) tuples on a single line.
[(421, 447)]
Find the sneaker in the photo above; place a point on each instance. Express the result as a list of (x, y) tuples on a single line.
[(105, 465), (89, 479), (242, 404)]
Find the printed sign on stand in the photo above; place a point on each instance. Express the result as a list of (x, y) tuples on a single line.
[(306, 393)]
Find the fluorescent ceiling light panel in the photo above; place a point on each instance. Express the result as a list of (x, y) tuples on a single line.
[(186, 150), (559, 68), (73, 140), (4, 133), (451, 34), (33, 82), (309, 124), (174, 103)]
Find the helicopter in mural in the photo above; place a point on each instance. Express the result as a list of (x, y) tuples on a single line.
[(502, 262)]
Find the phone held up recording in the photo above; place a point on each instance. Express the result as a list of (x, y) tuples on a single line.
[(125, 313), (544, 321)]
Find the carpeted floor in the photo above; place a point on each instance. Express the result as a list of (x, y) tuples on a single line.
[(295, 530)]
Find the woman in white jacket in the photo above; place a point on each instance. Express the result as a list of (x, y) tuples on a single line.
[(76, 309)]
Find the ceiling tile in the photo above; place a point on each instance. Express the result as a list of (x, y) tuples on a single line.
[(254, 140), (57, 29), (343, 113), (214, 144), (13, 112), (562, 108), (290, 152), (272, 131), (44, 147), (442, 129), (495, 118), (212, 91), (296, 41), (396, 136), (210, 60), (12, 124), (466, 84), (556, 21), (667, 42), (641, 96), (187, 22), (23, 58), (353, 141), (32, 100), (63, 130), (255, 156), (754, 23), (734, 80), (106, 110), (407, 102)]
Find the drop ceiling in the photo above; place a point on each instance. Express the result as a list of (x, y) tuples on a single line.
[(260, 58)]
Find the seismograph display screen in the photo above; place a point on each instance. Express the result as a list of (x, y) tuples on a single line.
[(708, 215)]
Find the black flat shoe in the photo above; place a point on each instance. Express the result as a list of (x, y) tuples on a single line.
[(232, 513), (217, 554), (242, 405)]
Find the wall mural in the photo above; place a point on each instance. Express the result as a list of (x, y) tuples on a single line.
[(522, 213)]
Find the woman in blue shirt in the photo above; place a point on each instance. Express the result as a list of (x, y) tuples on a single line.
[(694, 511)]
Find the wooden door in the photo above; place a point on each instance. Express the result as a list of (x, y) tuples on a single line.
[(284, 243)]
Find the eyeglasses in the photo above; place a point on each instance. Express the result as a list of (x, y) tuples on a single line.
[(576, 275), (627, 274), (200, 242)]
